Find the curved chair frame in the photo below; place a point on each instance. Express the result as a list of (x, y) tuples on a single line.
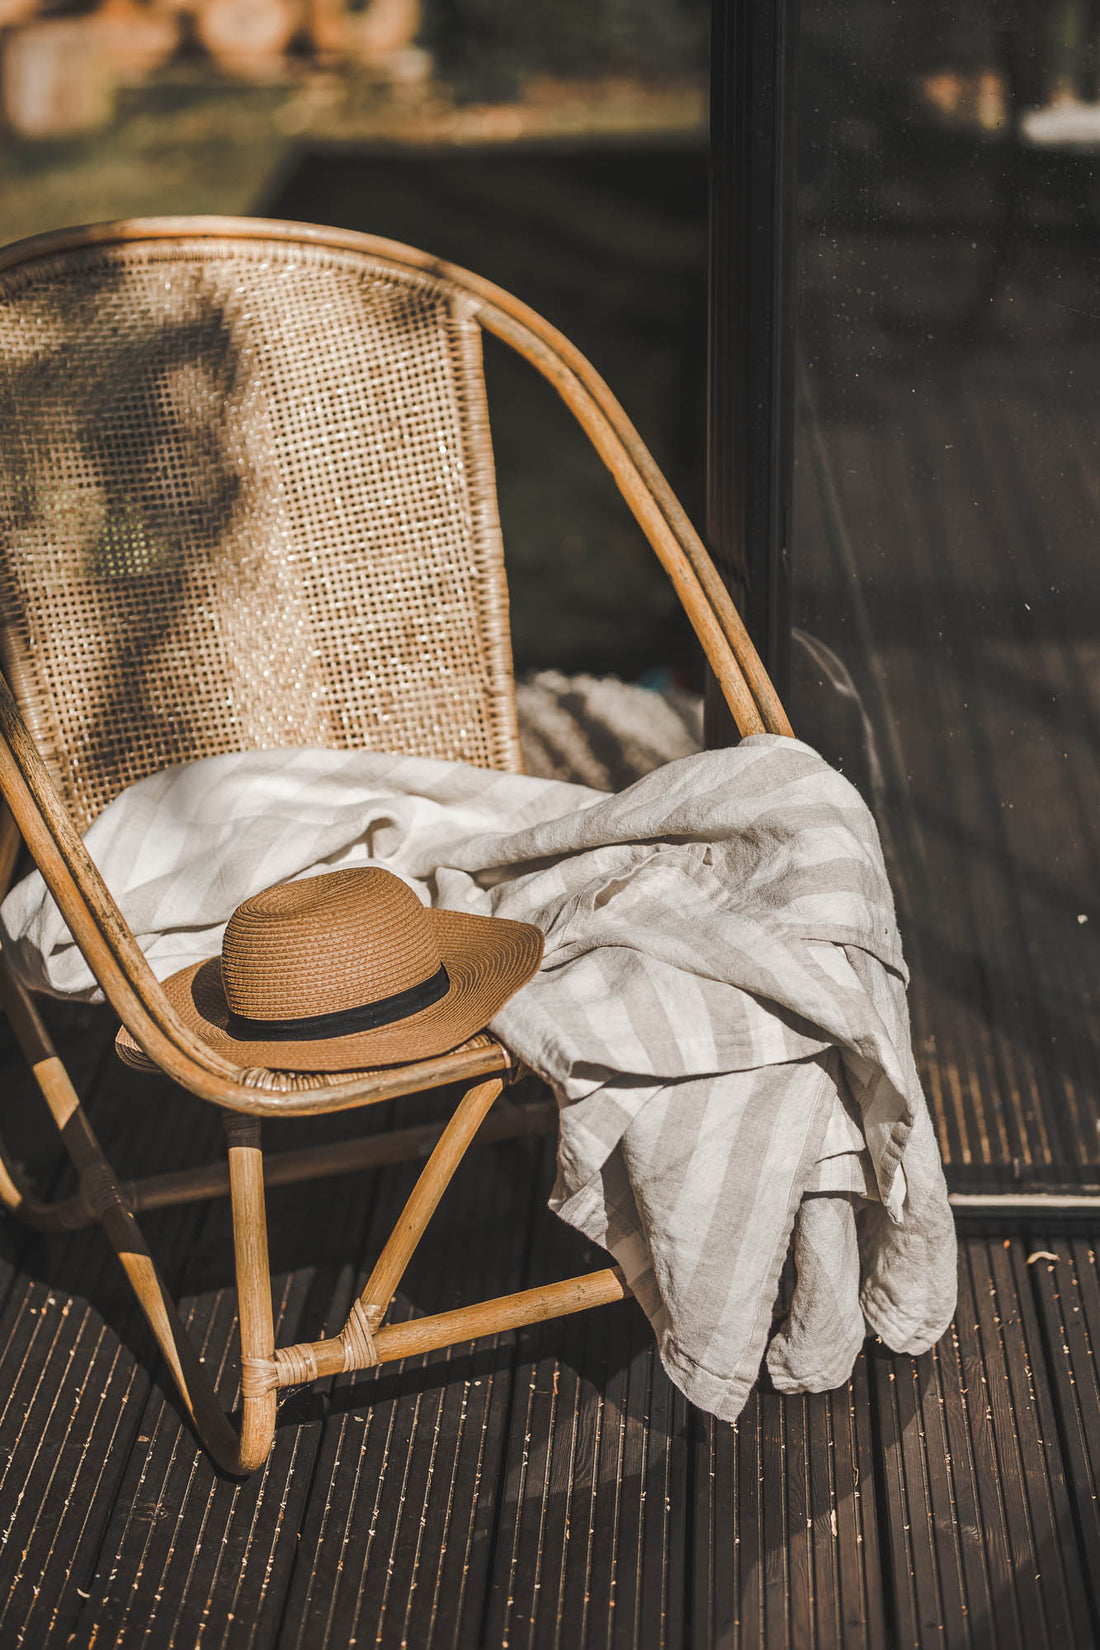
[(37, 815)]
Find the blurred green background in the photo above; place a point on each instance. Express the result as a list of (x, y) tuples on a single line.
[(557, 149)]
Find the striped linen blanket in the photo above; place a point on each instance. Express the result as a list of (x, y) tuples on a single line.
[(720, 1012)]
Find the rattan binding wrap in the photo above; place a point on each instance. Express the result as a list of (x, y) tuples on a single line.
[(246, 499)]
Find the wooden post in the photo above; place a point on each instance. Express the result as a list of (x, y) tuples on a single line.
[(751, 340), (246, 1179)]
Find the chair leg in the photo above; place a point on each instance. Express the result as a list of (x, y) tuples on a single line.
[(259, 1394), (264, 1369), (353, 1348), (362, 1343), (177, 1348), (423, 1200), (57, 1090), (102, 1198)]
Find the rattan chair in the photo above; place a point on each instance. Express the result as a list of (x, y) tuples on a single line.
[(248, 500)]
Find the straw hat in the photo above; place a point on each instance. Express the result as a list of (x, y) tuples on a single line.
[(349, 970)]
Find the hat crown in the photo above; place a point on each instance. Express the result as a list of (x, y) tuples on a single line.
[(331, 942)]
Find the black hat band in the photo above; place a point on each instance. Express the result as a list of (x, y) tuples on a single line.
[(345, 1022)]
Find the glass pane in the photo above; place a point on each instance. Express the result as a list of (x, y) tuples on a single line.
[(946, 500)]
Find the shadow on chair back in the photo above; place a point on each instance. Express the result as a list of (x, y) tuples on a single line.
[(249, 502)]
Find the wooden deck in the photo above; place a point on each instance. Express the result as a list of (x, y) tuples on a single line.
[(549, 1488)]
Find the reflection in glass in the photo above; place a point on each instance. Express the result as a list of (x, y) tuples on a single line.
[(947, 494)]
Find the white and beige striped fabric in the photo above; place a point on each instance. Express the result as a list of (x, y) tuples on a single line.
[(721, 1012)]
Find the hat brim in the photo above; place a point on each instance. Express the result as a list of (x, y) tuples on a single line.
[(487, 960)]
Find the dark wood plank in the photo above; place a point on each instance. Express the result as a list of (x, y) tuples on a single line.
[(1059, 1591), (72, 1401), (395, 1538), (186, 1550), (74, 1372), (981, 1540), (590, 1547), (786, 1527), (1067, 1299), (662, 1561)]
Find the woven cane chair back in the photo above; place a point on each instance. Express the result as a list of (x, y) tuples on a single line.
[(246, 499)]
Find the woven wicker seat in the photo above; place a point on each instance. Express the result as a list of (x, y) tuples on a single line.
[(247, 500)]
